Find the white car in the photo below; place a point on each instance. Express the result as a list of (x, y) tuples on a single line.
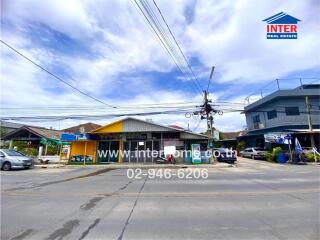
[(254, 153)]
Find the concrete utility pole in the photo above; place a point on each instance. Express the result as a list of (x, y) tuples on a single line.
[(207, 111), (310, 121)]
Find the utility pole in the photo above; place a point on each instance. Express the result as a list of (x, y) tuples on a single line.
[(310, 121), (207, 111)]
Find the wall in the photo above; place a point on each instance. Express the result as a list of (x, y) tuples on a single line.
[(282, 119), (77, 148)]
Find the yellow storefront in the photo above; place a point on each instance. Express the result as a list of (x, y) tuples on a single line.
[(127, 138), (83, 148)]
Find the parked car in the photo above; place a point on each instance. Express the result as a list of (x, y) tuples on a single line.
[(225, 155), (254, 153), (12, 159)]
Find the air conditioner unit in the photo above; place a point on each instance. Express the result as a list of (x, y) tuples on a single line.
[(261, 125)]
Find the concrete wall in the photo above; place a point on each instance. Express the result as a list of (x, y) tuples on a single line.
[(282, 119)]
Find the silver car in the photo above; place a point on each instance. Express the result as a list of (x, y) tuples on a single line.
[(11, 159), (254, 153)]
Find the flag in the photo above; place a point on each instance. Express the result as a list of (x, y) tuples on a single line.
[(298, 147)]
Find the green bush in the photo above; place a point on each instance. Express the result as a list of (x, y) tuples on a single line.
[(269, 157), (273, 155), (19, 145), (310, 157), (29, 151), (52, 150), (241, 146), (276, 151)]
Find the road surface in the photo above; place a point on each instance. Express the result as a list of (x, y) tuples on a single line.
[(255, 200)]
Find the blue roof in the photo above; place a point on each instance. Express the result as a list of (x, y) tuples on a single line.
[(281, 18)]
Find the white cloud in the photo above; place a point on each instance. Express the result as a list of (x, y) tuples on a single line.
[(232, 36), (227, 34)]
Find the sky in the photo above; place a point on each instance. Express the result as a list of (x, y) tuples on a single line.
[(106, 49)]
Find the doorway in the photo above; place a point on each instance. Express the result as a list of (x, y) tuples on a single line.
[(108, 151)]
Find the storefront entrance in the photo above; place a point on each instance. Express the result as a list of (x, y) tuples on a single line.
[(140, 151), (108, 151)]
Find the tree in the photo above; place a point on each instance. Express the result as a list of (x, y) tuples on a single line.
[(3, 131), (241, 146)]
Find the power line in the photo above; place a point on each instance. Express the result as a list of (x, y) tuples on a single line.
[(197, 125), (130, 106), (167, 41), (85, 116), (168, 105), (175, 40), (156, 27), (55, 76)]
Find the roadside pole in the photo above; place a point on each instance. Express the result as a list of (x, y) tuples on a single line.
[(207, 111), (85, 153), (310, 121), (290, 152), (288, 137)]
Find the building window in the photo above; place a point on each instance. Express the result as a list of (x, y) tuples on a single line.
[(272, 114), (256, 119), (292, 111)]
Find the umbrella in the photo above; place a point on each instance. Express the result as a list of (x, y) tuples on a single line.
[(298, 147)]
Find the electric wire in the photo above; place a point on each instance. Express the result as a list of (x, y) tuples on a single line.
[(164, 40), (175, 40), (55, 76), (167, 41)]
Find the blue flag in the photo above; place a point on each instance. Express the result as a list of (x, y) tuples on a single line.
[(298, 147)]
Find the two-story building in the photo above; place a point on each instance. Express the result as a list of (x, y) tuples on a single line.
[(285, 111)]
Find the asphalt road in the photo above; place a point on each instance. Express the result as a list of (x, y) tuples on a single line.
[(256, 200)]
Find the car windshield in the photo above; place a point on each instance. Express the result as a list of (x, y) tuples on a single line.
[(12, 152), (259, 149)]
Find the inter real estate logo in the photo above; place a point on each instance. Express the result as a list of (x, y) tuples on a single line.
[(282, 26)]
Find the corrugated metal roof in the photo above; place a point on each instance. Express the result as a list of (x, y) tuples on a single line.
[(46, 133), (191, 135), (10, 124), (136, 125), (39, 131)]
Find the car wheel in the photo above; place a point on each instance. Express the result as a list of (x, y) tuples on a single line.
[(6, 166)]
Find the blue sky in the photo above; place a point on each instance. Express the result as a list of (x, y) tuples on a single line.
[(106, 49)]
